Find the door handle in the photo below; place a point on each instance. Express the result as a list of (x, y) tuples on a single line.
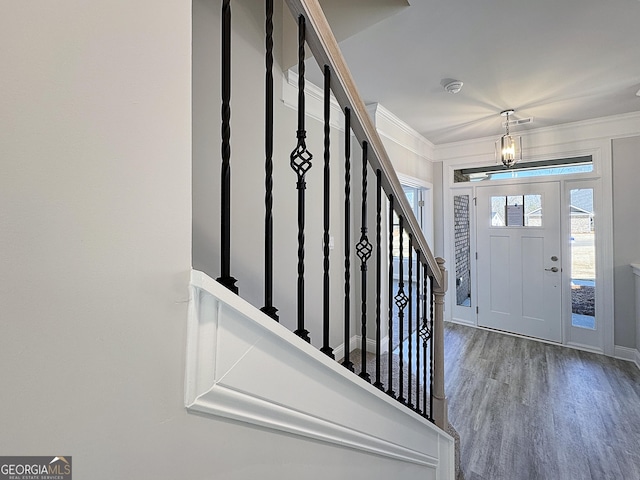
[(552, 269)]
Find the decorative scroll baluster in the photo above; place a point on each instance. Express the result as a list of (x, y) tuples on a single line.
[(418, 297), (401, 300), (410, 322), (268, 308), (225, 187), (300, 161), (364, 250), (347, 238), (378, 383), (326, 349), (425, 335), (390, 352)]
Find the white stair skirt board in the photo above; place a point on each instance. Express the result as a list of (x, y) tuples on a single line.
[(244, 366)]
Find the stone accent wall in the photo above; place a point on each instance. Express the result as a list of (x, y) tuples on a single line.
[(462, 240)]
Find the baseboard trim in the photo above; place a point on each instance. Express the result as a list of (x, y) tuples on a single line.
[(459, 321), (625, 353), (628, 354), (356, 342)]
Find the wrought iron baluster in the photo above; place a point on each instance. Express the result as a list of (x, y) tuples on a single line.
[(300, 161), (425, 334), (364, 250), (401, 300), (390, 351), (378, 383), (326, 349), (268, 308), (427, 393), (418, 297), (431, 323), (225, 187), (347, 238), (410, 323)]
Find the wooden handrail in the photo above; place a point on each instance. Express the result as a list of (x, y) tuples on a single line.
[(326, 51)]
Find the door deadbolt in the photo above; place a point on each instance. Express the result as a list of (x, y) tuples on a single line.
[(554, 259), (552, 269)]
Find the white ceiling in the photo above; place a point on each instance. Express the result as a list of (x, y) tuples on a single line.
[(557, 61)]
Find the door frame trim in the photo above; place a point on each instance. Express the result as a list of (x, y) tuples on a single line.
[(603, 207)]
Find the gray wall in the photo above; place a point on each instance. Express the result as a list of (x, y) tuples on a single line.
[(626, 233)]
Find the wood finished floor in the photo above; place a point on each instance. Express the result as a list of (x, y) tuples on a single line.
[(528, 410)]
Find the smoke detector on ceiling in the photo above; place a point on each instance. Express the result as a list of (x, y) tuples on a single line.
[(638, 93), (454, 86)]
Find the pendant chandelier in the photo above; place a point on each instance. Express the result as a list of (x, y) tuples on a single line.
[(508, 147)]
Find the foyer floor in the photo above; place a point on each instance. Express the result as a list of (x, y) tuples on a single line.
[(526, 410)]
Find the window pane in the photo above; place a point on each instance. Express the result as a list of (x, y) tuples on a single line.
[(396, 238), (410, 193), (412, 197), (462, 249), (498, 210), (567, 166), (516, 211), (533, 210), (583, 259)]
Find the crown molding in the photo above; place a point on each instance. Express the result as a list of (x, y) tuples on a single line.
[(394, 129)]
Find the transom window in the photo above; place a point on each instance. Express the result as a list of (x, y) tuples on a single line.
[(565, 166)]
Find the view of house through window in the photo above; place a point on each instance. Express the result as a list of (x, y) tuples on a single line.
[(516, 211), (583, 259)]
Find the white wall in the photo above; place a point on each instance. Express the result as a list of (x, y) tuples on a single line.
[(626, 231), (95, 234)]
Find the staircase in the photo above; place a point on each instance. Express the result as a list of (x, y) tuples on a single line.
[(291, 328)]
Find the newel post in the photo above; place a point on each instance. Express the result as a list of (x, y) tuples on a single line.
[(440, 415)]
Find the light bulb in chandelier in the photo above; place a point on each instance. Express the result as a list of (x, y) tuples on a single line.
[(508, 147)]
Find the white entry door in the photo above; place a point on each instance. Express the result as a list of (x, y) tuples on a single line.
[(519, 268)]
